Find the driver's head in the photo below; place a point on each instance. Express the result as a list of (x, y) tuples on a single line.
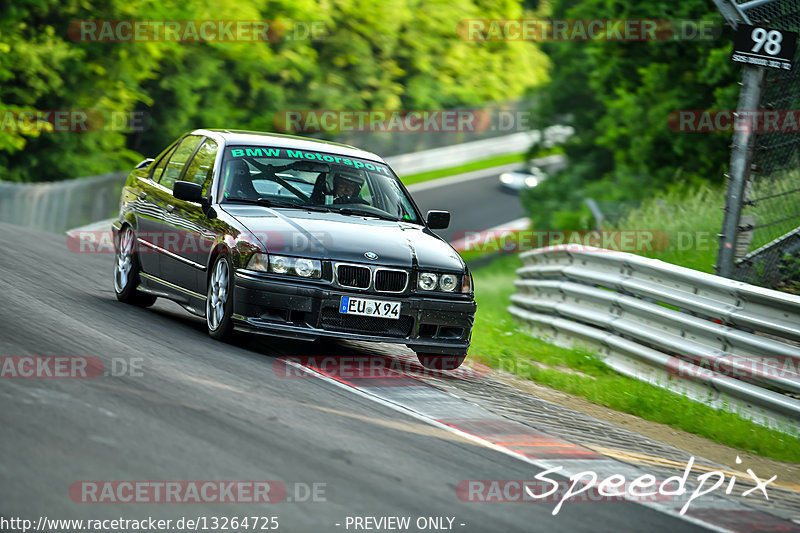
[(347, 183)]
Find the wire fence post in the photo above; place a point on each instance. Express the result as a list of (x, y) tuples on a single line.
[(759, 241), (741, 157)]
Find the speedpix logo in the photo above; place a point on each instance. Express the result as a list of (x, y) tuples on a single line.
[(587, 486)]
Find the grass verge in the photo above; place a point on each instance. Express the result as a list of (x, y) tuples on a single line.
[(500, 342), (490, 162), (690, 217)]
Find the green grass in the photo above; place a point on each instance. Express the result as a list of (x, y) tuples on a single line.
[(691, 218), (490, 162), (499, 341)]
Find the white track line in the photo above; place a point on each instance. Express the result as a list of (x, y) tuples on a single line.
[(474, 438)]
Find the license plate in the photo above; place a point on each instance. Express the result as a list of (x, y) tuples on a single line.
[(369, 307)]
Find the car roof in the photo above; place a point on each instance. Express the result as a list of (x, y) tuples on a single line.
[(277, 140)]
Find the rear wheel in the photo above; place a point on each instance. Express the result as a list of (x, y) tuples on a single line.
[(126, 271), (219, 301), (439, 361)]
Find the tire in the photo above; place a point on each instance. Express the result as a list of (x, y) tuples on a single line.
[(219, 299), (126, 271), (440, 362)]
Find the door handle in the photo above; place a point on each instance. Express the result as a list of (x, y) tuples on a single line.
[(142, 195), (170, 208)]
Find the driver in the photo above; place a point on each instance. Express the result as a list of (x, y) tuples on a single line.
[(346, 186)]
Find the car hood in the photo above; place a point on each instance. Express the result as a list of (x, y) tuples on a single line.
[(346, 238)]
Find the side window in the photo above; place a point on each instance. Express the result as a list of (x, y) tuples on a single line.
[(159, 169), (201, 166), (178, 160)]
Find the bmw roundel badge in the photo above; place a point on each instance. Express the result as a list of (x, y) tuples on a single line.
[(371, 255)]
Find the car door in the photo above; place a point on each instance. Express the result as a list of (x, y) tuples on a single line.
[(168, 242), (149, 215), (188, 221)]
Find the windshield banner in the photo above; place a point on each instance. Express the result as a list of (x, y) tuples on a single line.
[(285, 153)]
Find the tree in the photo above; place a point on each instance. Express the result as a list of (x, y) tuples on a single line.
[(374, 55), (619, 96)]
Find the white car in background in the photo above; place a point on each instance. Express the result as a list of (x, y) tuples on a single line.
[(517, 180), (535, 172)]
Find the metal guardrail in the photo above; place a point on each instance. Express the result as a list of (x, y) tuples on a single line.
[(58, 206), (459, 154), (726, 343)]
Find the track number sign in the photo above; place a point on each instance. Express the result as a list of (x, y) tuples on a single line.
[(764, 47)]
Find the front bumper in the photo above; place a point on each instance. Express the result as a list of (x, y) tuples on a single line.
[(288, 308)]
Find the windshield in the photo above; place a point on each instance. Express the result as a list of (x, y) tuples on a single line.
[(281, 177)]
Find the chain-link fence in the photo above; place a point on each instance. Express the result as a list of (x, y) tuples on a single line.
[(770, 203)]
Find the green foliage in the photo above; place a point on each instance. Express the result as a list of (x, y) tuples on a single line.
[(619, 95), (689, 216), (790, 269), (372, 55)]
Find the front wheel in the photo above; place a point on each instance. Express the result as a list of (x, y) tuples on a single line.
[(219, 301), (440, 362), (126, 271)]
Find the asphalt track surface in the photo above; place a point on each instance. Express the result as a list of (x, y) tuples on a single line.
[(474, 205), (205, 410)]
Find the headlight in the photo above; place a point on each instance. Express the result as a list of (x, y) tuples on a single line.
[(531, 181), (307, 268), (448, 282), (431, 281), (281, 264), (427, 281), (506, 177)]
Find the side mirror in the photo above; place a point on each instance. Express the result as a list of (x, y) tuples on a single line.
[(438, 219), (146, 163), (188, 191)]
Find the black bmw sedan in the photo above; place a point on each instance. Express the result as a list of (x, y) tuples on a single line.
[(289, 236)]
